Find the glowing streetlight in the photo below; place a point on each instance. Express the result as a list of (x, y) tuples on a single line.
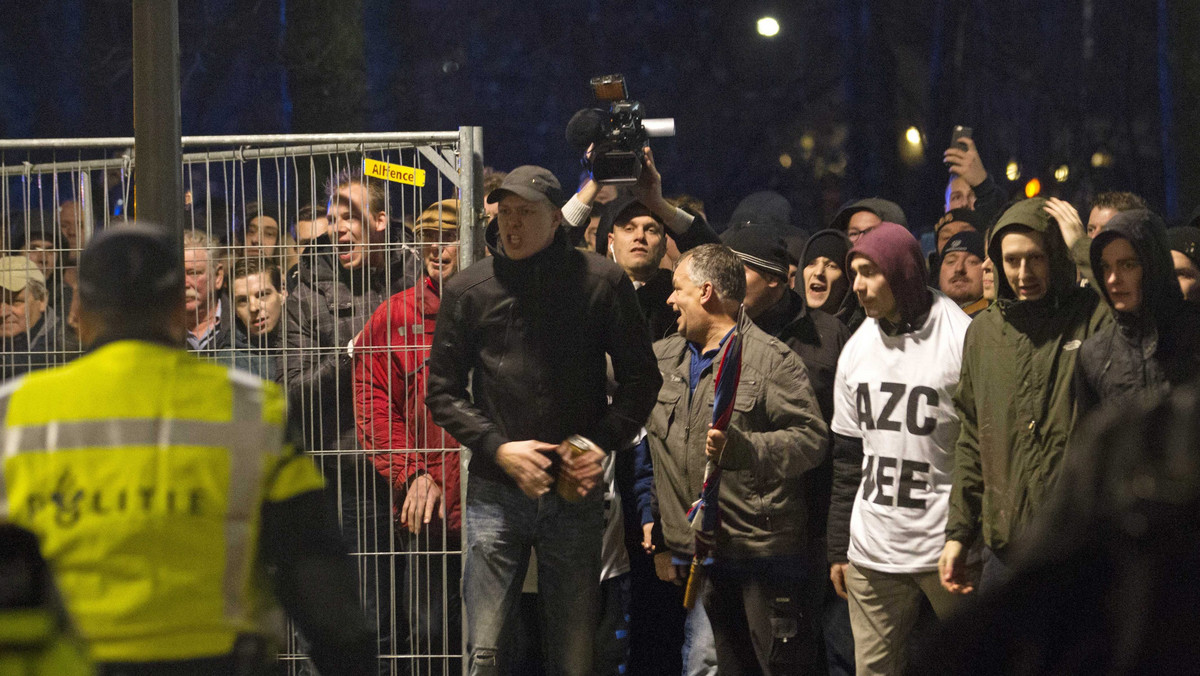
[(913, 136), (1033, 188), (1062, 173), (768, 27)]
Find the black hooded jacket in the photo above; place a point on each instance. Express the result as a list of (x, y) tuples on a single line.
[(817, 338), (1153, 349), (520, 353), (848, 311)]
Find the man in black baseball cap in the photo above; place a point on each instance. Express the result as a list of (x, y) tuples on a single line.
[(532, 329), (961, 274), (530, 210), (817, 337)]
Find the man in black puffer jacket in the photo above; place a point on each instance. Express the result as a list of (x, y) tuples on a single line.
[(1155, 342), (530, 331)]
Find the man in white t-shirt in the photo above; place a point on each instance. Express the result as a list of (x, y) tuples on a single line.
[(895, 427)]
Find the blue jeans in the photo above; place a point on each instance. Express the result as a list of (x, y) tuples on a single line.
[(501, 526), (699, 645)]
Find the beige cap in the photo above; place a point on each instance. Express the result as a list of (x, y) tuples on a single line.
[(16, 271), (441, 215)]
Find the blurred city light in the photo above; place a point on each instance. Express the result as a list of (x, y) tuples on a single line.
[(768, 27), (785, 161), (913, 136), (1102, 159), (1062, 173), (1013, 170), (1033, 188)]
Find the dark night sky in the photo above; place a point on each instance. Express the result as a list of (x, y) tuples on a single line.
[(1043, 83)]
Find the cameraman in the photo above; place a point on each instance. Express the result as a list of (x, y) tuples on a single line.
[(636, 238)]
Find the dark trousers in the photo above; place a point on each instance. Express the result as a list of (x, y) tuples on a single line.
[(365, 507), (996, 571), (432, 599), (839, 638), (764, 618), (612, 637)]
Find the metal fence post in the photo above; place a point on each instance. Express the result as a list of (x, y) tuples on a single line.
[(470, 148), (159, 187)]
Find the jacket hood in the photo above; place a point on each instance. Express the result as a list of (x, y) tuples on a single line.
[(886, 210), (1031, 213), (828, 239), (893, 248), (1148, 235)]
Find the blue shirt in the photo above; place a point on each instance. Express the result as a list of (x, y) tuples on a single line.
[(702, 360)]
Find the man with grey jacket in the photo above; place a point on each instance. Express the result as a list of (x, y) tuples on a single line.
[(761, 620)]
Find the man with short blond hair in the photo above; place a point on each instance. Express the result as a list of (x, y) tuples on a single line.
[(1109, 204), (339, 286)]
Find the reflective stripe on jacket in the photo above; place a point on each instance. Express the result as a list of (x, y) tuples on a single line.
[(143, 471)]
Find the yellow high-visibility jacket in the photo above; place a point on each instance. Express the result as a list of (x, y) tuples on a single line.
[(143, 471)]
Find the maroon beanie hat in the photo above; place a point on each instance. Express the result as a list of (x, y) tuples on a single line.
[(898, 254)]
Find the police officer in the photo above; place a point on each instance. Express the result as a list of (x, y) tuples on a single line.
[(166, 491)]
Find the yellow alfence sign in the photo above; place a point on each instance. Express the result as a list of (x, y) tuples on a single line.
[(395, 173)]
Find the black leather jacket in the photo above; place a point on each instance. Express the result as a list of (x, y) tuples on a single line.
[(531, 338)]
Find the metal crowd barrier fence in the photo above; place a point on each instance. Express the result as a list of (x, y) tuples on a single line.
[(279, 287)]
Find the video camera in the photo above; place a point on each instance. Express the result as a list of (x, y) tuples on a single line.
[(617, 135)]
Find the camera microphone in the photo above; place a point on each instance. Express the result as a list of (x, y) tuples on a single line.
[(585, 128), (658, 127)]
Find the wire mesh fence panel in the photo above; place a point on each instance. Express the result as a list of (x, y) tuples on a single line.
[(315, 262)]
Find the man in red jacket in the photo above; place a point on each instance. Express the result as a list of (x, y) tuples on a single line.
[(418, 458)]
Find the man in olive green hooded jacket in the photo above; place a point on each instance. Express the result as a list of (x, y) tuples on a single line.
[(1015, 397)]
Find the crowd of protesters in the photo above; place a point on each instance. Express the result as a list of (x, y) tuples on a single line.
[(904, 427)]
